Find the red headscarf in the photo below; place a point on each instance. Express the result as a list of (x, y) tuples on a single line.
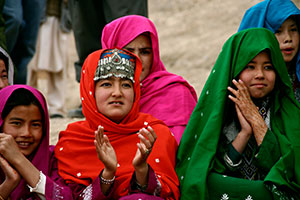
[(76, 152)]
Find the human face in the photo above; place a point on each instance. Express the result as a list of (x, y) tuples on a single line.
[(3, 75), (114, 97), (141, 46), (24, 124), (288, 38), (259, 76)]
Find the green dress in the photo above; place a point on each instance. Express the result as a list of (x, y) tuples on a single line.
[(201, 172)]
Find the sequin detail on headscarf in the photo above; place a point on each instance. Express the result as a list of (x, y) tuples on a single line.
[(117, 63)]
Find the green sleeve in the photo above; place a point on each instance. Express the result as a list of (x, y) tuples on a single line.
[(269, 152)]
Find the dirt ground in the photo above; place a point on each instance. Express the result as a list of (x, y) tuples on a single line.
[(191, 35)]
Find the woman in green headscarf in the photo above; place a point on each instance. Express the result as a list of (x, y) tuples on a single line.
[(243, 138)]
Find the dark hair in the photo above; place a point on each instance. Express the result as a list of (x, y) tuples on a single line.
[(21, 97), (5, 60)]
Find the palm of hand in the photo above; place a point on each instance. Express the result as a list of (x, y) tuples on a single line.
[(147, 139), (139, 159), (107, 156), (105, 150)]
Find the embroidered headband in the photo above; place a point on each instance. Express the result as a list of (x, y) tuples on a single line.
[(117, 63)]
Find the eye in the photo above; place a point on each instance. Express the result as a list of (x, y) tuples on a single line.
[(146, 51), (269, 67), (295, 29), (15, 123), (127, 84), (105, 84), (249, 66), (37, 124), (278, 31)]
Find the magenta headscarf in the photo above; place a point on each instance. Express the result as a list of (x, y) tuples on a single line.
[(40, 158), (164, 95)]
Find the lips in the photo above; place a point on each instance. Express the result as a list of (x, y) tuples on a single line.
[(116, 103), (258, 85), (287, 50), (23, 144)]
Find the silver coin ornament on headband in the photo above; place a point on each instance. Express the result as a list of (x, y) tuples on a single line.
[(116, 64)]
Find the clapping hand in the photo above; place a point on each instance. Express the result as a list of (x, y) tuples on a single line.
[(147, 139), (105, 151)]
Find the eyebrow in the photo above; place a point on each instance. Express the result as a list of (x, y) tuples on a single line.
[(267, 62), (129, 48), (20, 119), (16, 118), (111, 78)]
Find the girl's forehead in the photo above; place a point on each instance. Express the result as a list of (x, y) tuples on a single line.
[(115, 78)]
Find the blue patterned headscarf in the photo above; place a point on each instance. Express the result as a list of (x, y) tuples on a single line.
[(271, 14)]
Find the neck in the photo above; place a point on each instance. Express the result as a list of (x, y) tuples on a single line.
[(291, 65), (260, 101)]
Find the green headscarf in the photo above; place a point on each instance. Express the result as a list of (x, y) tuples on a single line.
[(199, 143)]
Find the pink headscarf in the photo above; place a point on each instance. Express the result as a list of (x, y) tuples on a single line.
[(39, 158), (164, 95)]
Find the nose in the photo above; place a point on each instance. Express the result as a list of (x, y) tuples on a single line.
[(116, 91), (26, 132), (287, 37), (259, 74)]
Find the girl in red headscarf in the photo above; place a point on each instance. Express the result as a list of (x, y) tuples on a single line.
[(117, 152)]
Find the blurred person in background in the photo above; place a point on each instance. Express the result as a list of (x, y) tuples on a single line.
[(51, 56), (22, 20), (89, 18), (6, 65), (6, 69)]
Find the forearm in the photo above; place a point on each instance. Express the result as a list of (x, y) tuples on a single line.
[(141, 174), (240, 142), (153, 185), (106, 179), (259, 128), (27, 170), (6, 190)]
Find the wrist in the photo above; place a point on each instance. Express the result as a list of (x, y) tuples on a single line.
[(18, 160), (245, 134), (6, 189), (108, 174), (143, 168), (141, 174)]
